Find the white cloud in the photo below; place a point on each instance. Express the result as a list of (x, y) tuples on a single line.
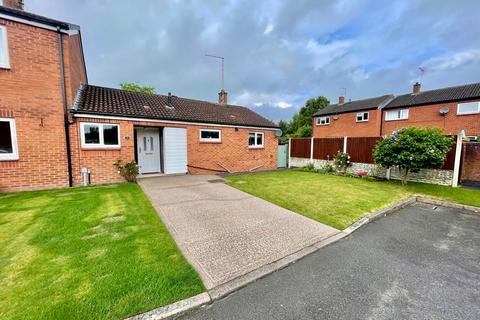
[(453, 61), (269, 28), (324, 54)]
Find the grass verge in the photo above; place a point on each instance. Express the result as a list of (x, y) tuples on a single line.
[(335, 200), (96, 253)]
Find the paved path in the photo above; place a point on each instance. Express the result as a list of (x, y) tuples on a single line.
[(417, 263), (224, 232)]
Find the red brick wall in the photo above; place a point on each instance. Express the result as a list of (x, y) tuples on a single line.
[(425, 116), (31, 94), (347, 125), (470, 162), (232, 152), (74, 66)]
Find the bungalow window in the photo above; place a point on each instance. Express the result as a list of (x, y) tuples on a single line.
[(4, 59), (362, 116), (323, 121), (468, 108), (100, 135), (8, 139), (209, 135), (400, 114), (255, 139)]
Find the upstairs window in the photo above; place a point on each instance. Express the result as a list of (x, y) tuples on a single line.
[(210, 135), (255, 139), (100, 135), (362, 116), (8, 139), (400, 114), (468, 108), (323, 121), (4, 59)]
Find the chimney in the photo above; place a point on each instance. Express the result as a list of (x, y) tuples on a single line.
[(416, 87), (169, 101), (14, 4), (222, 97), (341, 100)]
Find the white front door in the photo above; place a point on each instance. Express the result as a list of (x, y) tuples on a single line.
[(148, 150), (175, 150)]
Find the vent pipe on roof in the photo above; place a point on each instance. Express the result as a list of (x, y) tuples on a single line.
[(169, 101)]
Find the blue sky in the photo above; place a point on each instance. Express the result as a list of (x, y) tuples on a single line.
[(277, 53)]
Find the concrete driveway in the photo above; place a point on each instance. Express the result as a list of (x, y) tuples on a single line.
[(224, 232), (419, 263)]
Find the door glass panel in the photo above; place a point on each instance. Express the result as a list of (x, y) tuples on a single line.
[(145, 144), (151, 143)]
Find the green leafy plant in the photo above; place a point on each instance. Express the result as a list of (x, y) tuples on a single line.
[(327, 168), (135, 87), (342, 161), (413, 149), (309, 167), (128, 170)]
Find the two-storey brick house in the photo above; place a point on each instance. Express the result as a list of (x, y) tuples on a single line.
[(360, 118), (452, 109), (54, 126)]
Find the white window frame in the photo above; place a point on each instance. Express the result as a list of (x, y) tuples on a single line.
[(402, 114), (100, 145), (325, 119), (13, 135), (255, 145), (4, 43), (362, 114), (210, 139), (471, 112)]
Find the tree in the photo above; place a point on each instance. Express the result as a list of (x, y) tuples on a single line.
[(301, 123), (412, 149), (135, 87)]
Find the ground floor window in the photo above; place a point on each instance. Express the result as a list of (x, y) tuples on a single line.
[(255, 139), (8, 139), (210, 135), (100, 135)]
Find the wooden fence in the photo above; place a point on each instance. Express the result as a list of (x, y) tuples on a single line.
[(326, 148), (360, 149)]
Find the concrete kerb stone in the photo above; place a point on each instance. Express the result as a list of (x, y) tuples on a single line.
[(219, 292)]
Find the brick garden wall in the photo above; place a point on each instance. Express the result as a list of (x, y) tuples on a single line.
[(470, 173), (31, 94), (232, 153)]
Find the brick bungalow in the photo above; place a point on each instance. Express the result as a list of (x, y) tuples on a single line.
[(360, 118), (53, 124)]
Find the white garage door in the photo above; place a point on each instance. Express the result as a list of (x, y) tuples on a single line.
[(175, 150)]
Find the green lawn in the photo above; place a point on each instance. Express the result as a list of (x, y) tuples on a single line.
[(96, 253), (335, 200)]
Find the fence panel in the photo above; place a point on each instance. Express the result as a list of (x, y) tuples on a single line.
[(300, 148), (360, 149), (326, 148), (450, 159)]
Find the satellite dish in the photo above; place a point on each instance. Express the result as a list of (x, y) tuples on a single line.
[(444, 111), (278, 132)]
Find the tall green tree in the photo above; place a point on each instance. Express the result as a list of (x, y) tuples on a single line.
[(301, 123), (135, 87)]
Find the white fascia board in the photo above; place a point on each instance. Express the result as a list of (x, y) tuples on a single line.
[(93, 116)]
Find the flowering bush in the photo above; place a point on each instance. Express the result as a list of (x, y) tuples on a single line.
[(412, 149), (128, 170), (342, 161), (361, 173)]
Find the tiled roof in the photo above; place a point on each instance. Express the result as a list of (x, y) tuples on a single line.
[(115, 102), (357, 105), (36, 18), (458, 93)]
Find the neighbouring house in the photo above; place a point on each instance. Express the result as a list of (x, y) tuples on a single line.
[(360, 118), (54, 125), (453, 109)]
